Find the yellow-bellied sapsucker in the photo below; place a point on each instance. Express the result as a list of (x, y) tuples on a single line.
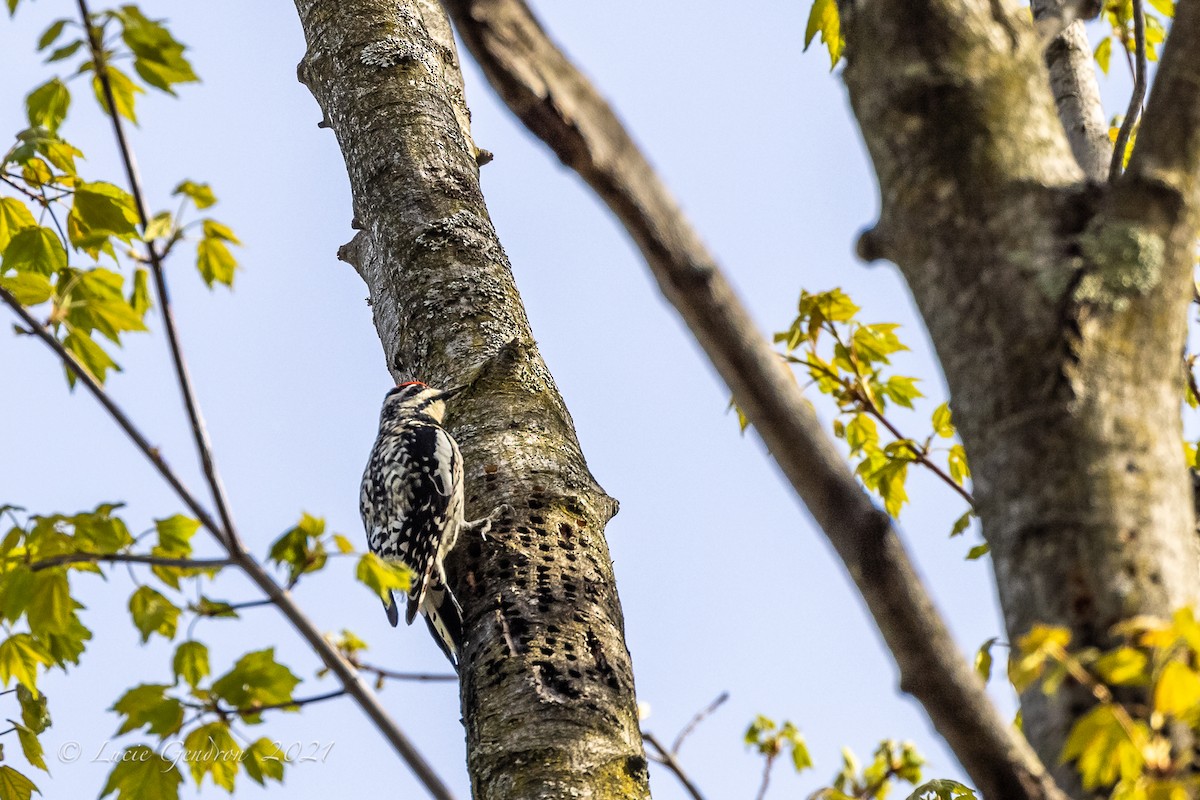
[(412, 505)]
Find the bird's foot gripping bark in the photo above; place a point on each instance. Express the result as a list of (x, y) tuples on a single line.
[(483, 525)]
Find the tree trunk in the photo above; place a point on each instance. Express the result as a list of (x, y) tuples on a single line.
[(1057, 308), (547, 686)]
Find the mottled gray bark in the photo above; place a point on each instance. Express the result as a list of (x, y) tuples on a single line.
[(1077, 93), (561, 106), (547, 687), (1057, 308)]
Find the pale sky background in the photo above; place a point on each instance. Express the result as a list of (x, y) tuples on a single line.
[(725, 582)]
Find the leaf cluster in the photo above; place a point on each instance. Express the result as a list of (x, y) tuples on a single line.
[(1146, 687)]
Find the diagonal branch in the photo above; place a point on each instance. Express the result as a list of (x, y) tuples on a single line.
[(199, 431), (130, 558), (558, 104), (1136, 97), (1168, 148), (333, 660), (1076, 92)]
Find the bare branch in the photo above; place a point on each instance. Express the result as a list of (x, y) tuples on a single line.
[(1076, 91), (695, 721), (667, 759), (558, 104), (120, 417), (1168, 148), (295, 703), (1138, 95), (130, 558), (333, 660), (389, 674), (199, 432)]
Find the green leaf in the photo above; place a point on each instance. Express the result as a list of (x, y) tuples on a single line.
[(94, 301), (200, 193), (263, 761), (30, 746), (142, 774), (47, 105), (14, 785), (19, 658), (153, 613), (28, 288), (1125, 666), (51, 607), (34, 710), (862, 434), (160, 227), (14, 216), (51, 34), (978, 551), (1104, 54), (174, 541), (215, 262), (66, 51), (1101, 748), (943, 789), (216, 230), (149, 705), (158, 57), (175, 533), (256, 680), (101, 211), (902, 390), (957, 461), (34, 249), (344, 545), (191, 663), (942, 424), (1177, 691), (90, 355), (382, 577), (983, 659), (16, 591), (961, 524), (300, 547), (124, 92), (139, 299), (875, 343), (212, 750), (823, 18), (66, 647)]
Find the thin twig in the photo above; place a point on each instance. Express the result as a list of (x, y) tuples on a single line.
[(120, 417), (131, 558), (199, 432), (695, 721), (667, 759), (403, 676), (1139, 93), (768, 762), (870, 407), (249, 710)]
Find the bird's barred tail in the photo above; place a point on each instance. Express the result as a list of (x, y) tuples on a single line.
[(443, 615)]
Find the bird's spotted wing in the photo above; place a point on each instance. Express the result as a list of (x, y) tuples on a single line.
[(408, 499)]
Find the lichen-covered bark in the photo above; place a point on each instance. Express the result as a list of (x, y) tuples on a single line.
[(547, 687), (1058, 315)]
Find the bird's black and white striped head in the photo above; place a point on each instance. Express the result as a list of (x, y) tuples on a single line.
[(415, 400)]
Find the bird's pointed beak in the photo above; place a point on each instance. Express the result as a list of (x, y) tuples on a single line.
[(445, 394)]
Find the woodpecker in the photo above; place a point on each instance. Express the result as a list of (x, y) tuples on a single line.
[(412, 505)]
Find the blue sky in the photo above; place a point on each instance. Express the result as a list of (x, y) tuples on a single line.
[(725, 582)]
